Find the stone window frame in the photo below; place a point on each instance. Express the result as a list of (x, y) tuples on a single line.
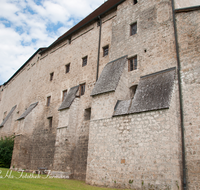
[(132, 25), (105, 50), (84, 61), (132, 63), (82, 89), (51, 76), (64, 94), (87, 114), (67, 68), (48, 101)]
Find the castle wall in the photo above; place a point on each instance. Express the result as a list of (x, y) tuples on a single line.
[(189, 39)]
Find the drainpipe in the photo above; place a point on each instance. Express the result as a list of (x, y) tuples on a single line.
[(99, 46), (180, 98)]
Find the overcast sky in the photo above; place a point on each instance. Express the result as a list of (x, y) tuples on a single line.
[(27, 25)]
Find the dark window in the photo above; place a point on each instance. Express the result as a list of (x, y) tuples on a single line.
[(48, 100), (50, 122), (133, 29), (87, 114), (134, 2), (105, 50), (67, 68), (70, 40), (132, 64), (64, 94), (82, 89), (133, 90), (51, 76), (84, 63)]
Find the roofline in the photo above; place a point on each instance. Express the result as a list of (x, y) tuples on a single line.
[(40, 49), (73, 31)]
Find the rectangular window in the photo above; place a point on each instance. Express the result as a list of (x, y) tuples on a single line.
[(64, 94), (134, 2), (50, 122), (133, 28), (48, 100), (67, 68), (51, 76), (87, 114), (133, 90), (82, 89), (105, 50), (132, 65), (84, 61), (70, 40)]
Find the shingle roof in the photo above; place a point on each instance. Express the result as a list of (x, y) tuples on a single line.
[(153, 93), (109, 77), (29, 109), (7, 117), (104, 8), (69, 98)]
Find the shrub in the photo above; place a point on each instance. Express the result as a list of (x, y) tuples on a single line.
[(6, 149)]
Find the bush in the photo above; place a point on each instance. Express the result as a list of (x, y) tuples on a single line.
[(6, 149)]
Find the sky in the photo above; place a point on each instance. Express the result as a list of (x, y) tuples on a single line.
[(27, 25)]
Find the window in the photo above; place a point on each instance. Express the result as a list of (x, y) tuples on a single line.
[(105, 50), (133, 29), (70, 40), (82, 89), (87, 114), (84, 63), (134, 2), (50, 122), (48, 100), (67, 68), (132, 64), (64, 94), (51, 76), (133, 90)]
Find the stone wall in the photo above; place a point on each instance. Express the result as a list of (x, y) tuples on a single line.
[(189, 39)]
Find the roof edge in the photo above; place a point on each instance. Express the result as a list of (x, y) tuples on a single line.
[(40, 49)]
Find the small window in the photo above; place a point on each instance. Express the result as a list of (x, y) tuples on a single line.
[(87, 114), (133, 90), (48, 100), (133, 29), (67, 68), (51, 76), (135, 1), (82, 89), (105, 50), (64, 94), (84, 61), (70, 40), (132, 64), (50, 122)]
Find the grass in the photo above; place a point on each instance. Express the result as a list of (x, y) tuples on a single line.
[(10, 180)]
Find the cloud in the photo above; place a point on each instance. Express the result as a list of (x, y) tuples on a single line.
[(25, 26)]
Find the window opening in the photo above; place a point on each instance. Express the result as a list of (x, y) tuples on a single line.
[(133, 29), (105, 50), (87, 114), (48, 100), (132, 63), (51, 76), (84, 61), (82, 89), (50, 122), (133, 90), (135, 1), (67, 68), (64, 94)]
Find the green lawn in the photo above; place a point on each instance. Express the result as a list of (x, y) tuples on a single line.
[(42, 183)]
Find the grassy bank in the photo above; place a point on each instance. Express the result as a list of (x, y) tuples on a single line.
[(10, 180)]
